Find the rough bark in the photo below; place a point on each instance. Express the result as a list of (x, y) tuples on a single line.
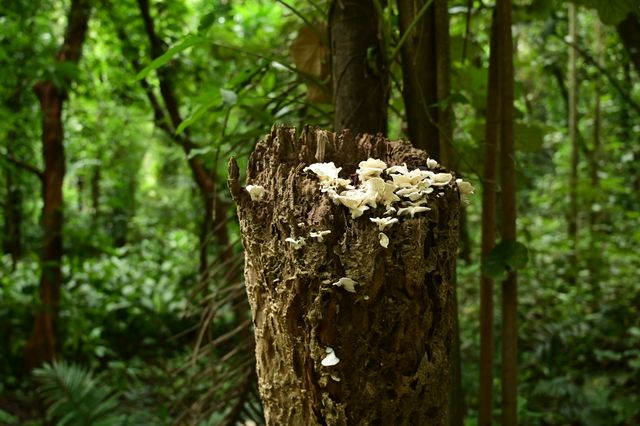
[(419, 75), (492, 132), (41, 346), (393, 336), (629, 31), (359, 73), (426, 77), (508, 223)]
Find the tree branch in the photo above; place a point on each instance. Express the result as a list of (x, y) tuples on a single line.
[(23, 165), (615, 83)]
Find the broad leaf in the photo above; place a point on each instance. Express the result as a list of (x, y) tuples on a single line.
[(507, 256)]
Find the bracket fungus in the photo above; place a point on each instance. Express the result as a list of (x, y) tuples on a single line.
[(297, 243), (347, 283), (331, 359), (256, 192)]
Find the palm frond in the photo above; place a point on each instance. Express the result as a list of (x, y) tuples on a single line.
[(74, 398)]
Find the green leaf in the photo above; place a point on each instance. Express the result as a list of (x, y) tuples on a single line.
[(507, 256), (208, 101), (529, 136), (206, 21), (199, 151), (185, 43), (229, 97)]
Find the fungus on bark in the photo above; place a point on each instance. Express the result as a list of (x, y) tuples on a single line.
[(391, 322)]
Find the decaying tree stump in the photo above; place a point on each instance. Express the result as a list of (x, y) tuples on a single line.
[(393, 335)]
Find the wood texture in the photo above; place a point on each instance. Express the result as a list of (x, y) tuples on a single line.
[(393, 336)]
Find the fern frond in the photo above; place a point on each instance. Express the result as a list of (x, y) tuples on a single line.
[(74, 398)]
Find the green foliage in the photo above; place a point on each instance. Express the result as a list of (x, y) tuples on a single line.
[(133, 308), (611, 12), (75, 398), (506, 256)]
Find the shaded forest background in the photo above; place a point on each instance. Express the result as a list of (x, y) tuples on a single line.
[(152, 305)]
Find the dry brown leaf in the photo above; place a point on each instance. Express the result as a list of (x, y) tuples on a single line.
[(310, 55)]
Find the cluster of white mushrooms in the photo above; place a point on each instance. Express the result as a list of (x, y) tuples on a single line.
[(406, 193)]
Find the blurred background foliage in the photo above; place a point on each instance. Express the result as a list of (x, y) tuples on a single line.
[(164, 341)]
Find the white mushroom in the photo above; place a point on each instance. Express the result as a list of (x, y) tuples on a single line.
[(431, 163), (412, 210), (319, 235), (384, 240), (347, 283), (256, 192), (465, 189), (383, 222), (331, 359), (324, 171), (441, 179), (297, 244), (398, 169), (370, 169)]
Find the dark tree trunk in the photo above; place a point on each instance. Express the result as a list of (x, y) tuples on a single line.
[(215, 215), (508, 223), (426, 76), (41, 346), (419, 72), (12, 241), (95, 198), (393, 335), (492, 134), (572, 217), (359, 72), (629, 31), (12, 227)]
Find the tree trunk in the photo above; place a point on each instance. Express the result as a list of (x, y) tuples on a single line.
[(492, 134), (595, 256), (41, 347), (393, 335), (359, 71), (629, 31), (12, 227), (573, 134), (205, 179), (508, 224), (95, 198), (419, 75), (426, 77)]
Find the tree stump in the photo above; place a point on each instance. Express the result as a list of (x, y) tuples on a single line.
[(393, 335)]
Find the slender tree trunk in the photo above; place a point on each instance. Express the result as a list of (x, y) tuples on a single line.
[(629, 31), (492, 132), (392, 336), (95, 198), (12, 227), (573, 134), (508, 225), (443, 71), (420, 75), (595, 259), (41, 346), (359, 72), (205, 179), (80, 190)]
